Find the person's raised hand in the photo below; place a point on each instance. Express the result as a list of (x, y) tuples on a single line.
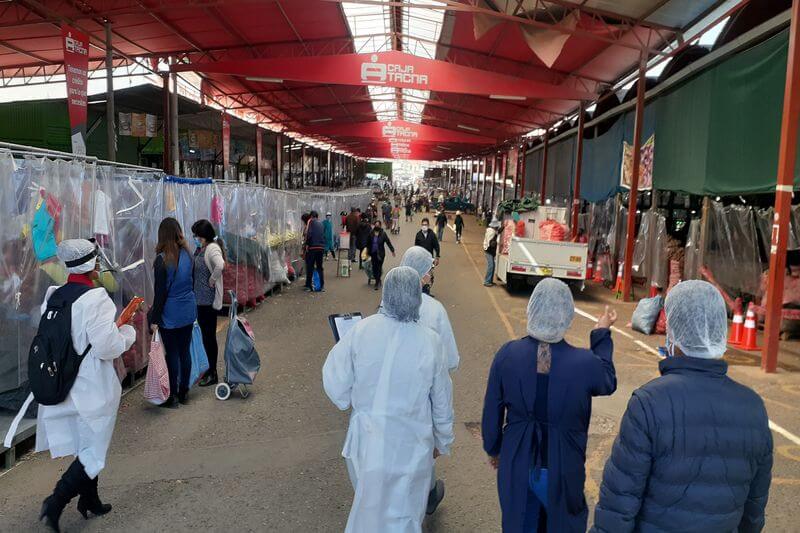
[(607, 319)]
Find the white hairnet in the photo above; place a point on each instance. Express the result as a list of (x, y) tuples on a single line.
[(696, 319), (419, 259), (73, 251), (550, 311), (402, 294)]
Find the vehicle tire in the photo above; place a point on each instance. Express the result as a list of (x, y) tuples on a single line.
[(222, 391)]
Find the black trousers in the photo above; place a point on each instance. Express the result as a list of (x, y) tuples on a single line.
[(314, 260), (207, 319), (377, 268), (177, 343)]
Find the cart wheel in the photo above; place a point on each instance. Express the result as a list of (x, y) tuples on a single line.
[(243, 391), (222, 391)]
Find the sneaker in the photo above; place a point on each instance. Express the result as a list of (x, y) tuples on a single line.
[(488, 284), (306, 289), (435, 497), (209, 379)]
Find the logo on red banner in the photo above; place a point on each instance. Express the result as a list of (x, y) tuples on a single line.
[(381, 73), (401, 132), (76, 68)]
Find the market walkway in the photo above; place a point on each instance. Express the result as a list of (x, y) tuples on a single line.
[(272, 463)]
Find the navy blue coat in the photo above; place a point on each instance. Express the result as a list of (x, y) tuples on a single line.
[(694, 453), (508, 425)]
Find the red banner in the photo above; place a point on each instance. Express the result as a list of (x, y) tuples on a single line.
[(76, 67), (226, 145), (391, 69)]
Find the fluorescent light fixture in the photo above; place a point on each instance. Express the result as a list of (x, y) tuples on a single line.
[(506, 97), (265, 80), (468, 128), (327, 119), (97, 102)]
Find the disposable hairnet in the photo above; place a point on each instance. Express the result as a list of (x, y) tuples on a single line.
[(419, 259), (402, 294), (73, 250), (550, 311), (696, 319)]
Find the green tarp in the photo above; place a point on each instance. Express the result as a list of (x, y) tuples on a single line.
[(718, 133)]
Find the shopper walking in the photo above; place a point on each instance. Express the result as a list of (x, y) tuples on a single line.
[(433, 315), (441, 224), (82, 424), (327, 230), (536, 414), (409, 210), (378, 241), (490, 251), (459, 224), (389, 370), (426, 238), (362, 238), (315, 252), (694, 450), (351, 224), (174, 306), (209, 263)]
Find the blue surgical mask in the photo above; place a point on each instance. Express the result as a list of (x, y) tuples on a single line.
[(198, 243)]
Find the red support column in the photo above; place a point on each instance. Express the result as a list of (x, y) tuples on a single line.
[(494, 181), (637, 159), (543, 192), (576, 193), (787, 157), (521, 178)]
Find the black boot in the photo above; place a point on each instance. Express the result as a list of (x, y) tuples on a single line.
[(89, 502), (67, 488)]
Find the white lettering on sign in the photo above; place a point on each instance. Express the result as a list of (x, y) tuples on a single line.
[(75, 46), (402, 132), (381, 73)]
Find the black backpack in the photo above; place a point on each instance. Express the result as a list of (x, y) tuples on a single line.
[(53, 362)]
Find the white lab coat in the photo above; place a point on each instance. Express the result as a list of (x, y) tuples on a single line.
[(433, 315), (83, 423), (394, 378)]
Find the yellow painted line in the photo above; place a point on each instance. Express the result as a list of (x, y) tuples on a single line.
[(785, 481), (492, 297)]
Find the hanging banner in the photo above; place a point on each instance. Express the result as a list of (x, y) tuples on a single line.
[(226, 144), (151, 125), (259, 157), (138, 124), (645, 165), (124, 124), (76, 67)]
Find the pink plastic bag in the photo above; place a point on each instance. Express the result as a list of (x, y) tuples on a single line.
[(156, 382)]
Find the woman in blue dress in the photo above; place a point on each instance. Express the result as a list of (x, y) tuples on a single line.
[(537, 410)]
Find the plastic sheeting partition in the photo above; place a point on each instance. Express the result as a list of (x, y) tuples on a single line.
[(732, 250), (47, 200)]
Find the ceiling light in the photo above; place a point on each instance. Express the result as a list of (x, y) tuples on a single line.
[(327, 119), (468, 128), (265, 80), (506, 97)]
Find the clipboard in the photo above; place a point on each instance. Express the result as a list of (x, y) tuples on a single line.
[(341, 324)]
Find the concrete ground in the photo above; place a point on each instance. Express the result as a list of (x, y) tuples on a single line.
[(272, 462)]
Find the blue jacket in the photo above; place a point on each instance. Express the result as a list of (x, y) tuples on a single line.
[(694, 453), (509, 427), (315, 236), (174, 304)]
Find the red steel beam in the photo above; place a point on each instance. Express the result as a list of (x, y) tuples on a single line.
[(627, 287), (787, 158)]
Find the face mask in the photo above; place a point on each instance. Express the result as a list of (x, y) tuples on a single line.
[(425, 229), (198, 243), (670, 346)]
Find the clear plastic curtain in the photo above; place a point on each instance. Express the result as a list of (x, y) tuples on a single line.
[(731, 248)]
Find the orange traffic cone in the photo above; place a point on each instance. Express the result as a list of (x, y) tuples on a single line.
[(737, 326), (653, 289), (589, 269), (618, 284), (749, 342), (598, 272)]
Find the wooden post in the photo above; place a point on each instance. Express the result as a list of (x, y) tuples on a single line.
[(576, 193), (627, 288), (787, 157)]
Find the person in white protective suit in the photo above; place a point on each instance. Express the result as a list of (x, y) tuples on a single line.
[(433, 315), (82, 425), (389, 369)]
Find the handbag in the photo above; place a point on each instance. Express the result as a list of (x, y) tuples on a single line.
[(199, 357), (156, 382)]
